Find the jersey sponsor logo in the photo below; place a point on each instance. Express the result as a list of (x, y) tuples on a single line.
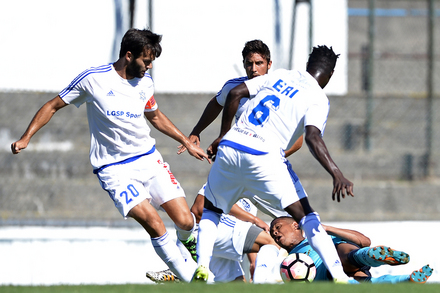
[(110, 94), (151, 103), (282, 87), (122, 114), (248, 133)]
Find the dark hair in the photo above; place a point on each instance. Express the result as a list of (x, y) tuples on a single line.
[(288, 218), (256, 46), (322, 59), (136, 40)]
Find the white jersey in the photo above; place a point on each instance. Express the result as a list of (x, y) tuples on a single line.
[(115, 111), (227, 87), (286, 101)]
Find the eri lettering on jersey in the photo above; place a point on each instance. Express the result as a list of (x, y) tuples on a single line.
[(284, 89)]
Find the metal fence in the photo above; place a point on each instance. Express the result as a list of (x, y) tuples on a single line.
[(394, 71)]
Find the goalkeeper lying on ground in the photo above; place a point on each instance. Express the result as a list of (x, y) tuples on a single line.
[(353, 248)]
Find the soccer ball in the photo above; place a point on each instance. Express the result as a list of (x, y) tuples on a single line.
[(298, 267)]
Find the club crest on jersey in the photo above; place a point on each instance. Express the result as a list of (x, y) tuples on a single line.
[(142, 96)]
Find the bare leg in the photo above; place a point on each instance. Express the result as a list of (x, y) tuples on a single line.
[(179, 213), (146, 215)]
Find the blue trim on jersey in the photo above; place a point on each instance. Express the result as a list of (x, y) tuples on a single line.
[(148, 75), (291, 172), (84, 74), (227, 221), (96, 171), (236, 81), (241, 147)]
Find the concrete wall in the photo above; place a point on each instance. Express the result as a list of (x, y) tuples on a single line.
[(52, 180)]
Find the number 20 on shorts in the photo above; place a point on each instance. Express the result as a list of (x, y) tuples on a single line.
[(129, 193)]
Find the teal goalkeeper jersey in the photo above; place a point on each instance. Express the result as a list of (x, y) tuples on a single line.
[(321, 271)]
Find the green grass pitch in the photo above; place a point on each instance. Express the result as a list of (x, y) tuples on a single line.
[(321, 287)]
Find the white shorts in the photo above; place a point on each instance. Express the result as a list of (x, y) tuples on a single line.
[(270, 177), (248, 205), (231, 236), (225, 270), (148, 177), (266, 208)]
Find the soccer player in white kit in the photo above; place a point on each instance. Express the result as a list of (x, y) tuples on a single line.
[(236, 236), (122, 152), (256, 62), (242, 228), (250, 156)]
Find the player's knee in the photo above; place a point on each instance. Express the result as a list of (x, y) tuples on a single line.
[(185, 222)]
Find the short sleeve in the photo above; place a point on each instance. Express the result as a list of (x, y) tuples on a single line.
[(255, 84), (317, 115), (227, 87), (74, 94), (151, 105)]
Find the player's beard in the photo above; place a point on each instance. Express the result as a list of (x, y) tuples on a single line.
[(135, 70)]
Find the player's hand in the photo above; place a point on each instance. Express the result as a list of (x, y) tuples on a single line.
[(197, 153), (342, 187), (212, 149), (260, 223), (195, 139), (17, 146)]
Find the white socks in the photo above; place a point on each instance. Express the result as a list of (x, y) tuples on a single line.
[(322, 243), (207, 236), (170, 254), (267, 265)]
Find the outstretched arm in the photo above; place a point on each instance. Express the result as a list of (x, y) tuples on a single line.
[(164, 125), (236, 211), (341, 185), (231, 106), (212, 110), (241, 214), (350, 235), (41, 118)]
